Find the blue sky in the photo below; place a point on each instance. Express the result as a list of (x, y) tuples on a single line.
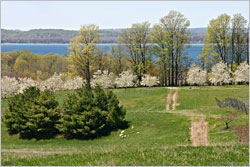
[(27, 15)]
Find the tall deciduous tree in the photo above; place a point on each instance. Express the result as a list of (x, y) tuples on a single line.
[(160, 37), (238, 38), (135, 40), (82, 50), (117, 52), (217, 37), (102, 60), (205, 57), (247, 42), (171, 35)]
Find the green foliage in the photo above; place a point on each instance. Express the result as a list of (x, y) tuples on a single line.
[(135, 41), (226, 40), (32, 114), (170, 37), (89, 113), (82, 50), (26, 64)]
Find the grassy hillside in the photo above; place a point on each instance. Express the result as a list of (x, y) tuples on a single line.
[(155, 137)]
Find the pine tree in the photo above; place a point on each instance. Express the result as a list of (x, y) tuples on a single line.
[(33, 114), (89, 113)]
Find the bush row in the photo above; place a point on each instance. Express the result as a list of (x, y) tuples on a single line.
[(126, 79), (86, 113), (219, 75)]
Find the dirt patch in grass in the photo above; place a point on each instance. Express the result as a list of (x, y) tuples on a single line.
[(169, 99), (243, 133), (175, 97), (199, 132), (172, 97)]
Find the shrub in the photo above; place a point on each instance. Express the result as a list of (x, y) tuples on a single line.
[(32, 114), (89, 113), (150, 81), (228, 118), (125, 79), (196, 76), (54, 83), (24, 83), (104, 79), (9, 86), (74, 83), (220, 74), (242, 73)]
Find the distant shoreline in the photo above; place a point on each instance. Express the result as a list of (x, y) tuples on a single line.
[(69, 43), (51, 43)]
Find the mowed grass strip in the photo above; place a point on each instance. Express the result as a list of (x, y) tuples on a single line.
[(141, 156), (202, 98)]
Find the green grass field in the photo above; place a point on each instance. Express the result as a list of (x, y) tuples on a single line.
[(155, 137)]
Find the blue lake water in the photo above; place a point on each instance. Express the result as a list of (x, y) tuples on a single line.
[(193, 51)]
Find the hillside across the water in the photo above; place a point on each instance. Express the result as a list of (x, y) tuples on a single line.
[(64, 36)]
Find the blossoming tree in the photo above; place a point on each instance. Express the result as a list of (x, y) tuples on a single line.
[(125, 79), (220, 74), (73, 83), (54, 83), (24, 83), (104, 79), (148, 80), (196, 75), (9, 86), (242, 73)]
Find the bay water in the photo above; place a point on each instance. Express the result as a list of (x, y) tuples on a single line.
[(193, 51)]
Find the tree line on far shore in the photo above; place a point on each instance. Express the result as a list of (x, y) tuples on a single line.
[(63, 36)]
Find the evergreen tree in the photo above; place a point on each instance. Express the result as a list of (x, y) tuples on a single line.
[(33, 114), (89, 113)]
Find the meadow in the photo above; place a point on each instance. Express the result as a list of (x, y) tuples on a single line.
[(155, 137)]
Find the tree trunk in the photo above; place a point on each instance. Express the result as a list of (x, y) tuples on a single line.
[(238, 59), (165, 74), (87, 74), (232, 51), (172, 70), (176, 73), (169, 78), (247, 53), (248, 45)]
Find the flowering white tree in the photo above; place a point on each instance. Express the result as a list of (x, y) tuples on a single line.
[(196, 76), (104, 79), (25, 83), (74, 83), (220, 74), (125, 79), (242, 73), (148, 80), (54, 83), (9, 86)]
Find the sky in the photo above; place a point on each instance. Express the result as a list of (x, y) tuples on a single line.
[(70, 15)]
